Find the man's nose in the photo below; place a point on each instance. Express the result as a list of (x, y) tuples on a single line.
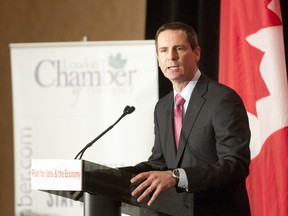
[(172, 55)]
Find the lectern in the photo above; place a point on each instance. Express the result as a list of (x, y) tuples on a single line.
[(103, 190)]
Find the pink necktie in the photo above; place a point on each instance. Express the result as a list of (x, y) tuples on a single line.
[(178, 117)]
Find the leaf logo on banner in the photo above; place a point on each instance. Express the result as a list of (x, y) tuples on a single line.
[(117, 61)]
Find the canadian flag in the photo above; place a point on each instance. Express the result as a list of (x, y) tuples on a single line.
[(252, 62)]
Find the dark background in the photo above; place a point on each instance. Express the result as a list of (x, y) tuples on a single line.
[(204, 17)]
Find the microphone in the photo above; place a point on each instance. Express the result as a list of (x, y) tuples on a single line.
[(127, 110)]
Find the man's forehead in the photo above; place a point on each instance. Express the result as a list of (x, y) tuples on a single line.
[(172, 32), (165, 40)]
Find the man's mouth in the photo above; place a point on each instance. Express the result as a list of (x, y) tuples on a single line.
[(173, 67)]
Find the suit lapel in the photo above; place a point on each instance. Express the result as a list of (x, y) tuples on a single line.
[(195, 104)]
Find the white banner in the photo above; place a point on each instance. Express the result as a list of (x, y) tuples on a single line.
[(66, 94)]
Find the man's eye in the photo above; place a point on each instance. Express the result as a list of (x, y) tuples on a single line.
[(179, 48)]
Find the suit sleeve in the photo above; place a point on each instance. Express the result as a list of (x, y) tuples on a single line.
[(230, 136)]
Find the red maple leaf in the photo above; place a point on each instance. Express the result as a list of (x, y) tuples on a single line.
[(239, 65)]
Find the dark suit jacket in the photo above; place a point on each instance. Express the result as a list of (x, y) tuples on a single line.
[(213, 148)]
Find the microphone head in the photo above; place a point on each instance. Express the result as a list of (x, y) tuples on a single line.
[(128, 109)]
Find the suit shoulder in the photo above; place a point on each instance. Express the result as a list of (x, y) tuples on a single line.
[(165, 100), (215, 87)]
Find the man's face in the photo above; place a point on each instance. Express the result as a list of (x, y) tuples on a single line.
[(176, 58)]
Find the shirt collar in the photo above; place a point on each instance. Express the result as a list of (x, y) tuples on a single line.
[(187, 91)]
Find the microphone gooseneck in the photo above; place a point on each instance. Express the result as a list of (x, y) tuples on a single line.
[(127, 110)]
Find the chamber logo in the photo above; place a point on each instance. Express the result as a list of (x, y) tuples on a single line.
[(109, 75), (117, 62), (64, 72)]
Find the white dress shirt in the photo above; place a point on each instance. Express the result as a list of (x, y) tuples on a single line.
[(186, 94)]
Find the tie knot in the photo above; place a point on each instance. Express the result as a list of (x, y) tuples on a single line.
[(179, 100)]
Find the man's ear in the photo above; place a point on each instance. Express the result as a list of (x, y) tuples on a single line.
[(197, 52)]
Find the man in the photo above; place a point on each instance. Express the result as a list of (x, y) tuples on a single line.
[(211, 158)]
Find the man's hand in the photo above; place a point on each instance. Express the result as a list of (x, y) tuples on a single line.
[(154, 182)]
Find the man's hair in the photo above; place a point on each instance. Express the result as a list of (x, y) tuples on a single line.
[(190, 32)]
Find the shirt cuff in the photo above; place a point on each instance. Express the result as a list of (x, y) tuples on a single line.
[(183, 180)]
